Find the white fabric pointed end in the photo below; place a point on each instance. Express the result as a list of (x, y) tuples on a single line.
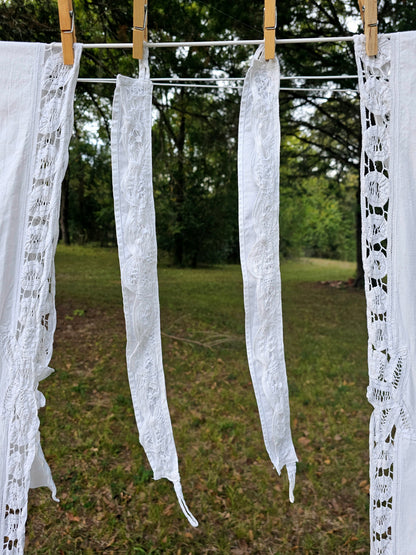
[(291, 474), (179, 494), (53, 495), (40, 473)]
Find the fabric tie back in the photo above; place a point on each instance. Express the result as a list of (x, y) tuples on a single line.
[(36, 114), (387, 84), (136, 235), (258, 188)]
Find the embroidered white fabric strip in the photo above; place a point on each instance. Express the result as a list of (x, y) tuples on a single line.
[(387, 85), (36, 114), (136, 235), (258, 186)]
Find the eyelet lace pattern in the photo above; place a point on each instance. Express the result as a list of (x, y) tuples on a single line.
[(136, 234), (258, 175), (387, 361), (28, 348)]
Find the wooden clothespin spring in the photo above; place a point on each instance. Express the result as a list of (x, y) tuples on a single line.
[(143, 28), (140, 11), (67, 25), (270, 24), (368, 11)]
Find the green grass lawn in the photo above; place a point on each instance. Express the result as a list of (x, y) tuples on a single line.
[(109, 501)]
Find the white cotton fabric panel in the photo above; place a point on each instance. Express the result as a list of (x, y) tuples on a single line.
[(36, 114), (136, 236), (258, 186), (388, 175), (403, 201)]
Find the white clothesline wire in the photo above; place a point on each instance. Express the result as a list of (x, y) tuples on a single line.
[(171, 81), (282, 77), (217, 79), (158, 82), (302, 89), (191, 81), (129, 45), (226, 87)]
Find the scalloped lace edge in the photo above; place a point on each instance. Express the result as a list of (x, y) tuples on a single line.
[(387, 361)]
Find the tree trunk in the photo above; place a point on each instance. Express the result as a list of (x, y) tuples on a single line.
[(179, 193), (359, 279), (63, 217)]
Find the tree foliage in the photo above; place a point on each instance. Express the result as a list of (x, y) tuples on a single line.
[(195, 130)]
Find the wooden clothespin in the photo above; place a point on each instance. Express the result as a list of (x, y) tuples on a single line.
[(270, 20), (368, 11), (140, 8), (67, 25)]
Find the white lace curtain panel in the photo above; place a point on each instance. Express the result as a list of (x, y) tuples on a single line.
[(36, 113), (387, 86), (258, 191), (136, 236)]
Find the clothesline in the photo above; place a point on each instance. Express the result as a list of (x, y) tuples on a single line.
[(282, 78), (129, 45), (157, 83), (194, 82), (302, 89), (159, 80)]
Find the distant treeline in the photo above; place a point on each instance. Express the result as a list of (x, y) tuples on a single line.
[(195, 130)]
